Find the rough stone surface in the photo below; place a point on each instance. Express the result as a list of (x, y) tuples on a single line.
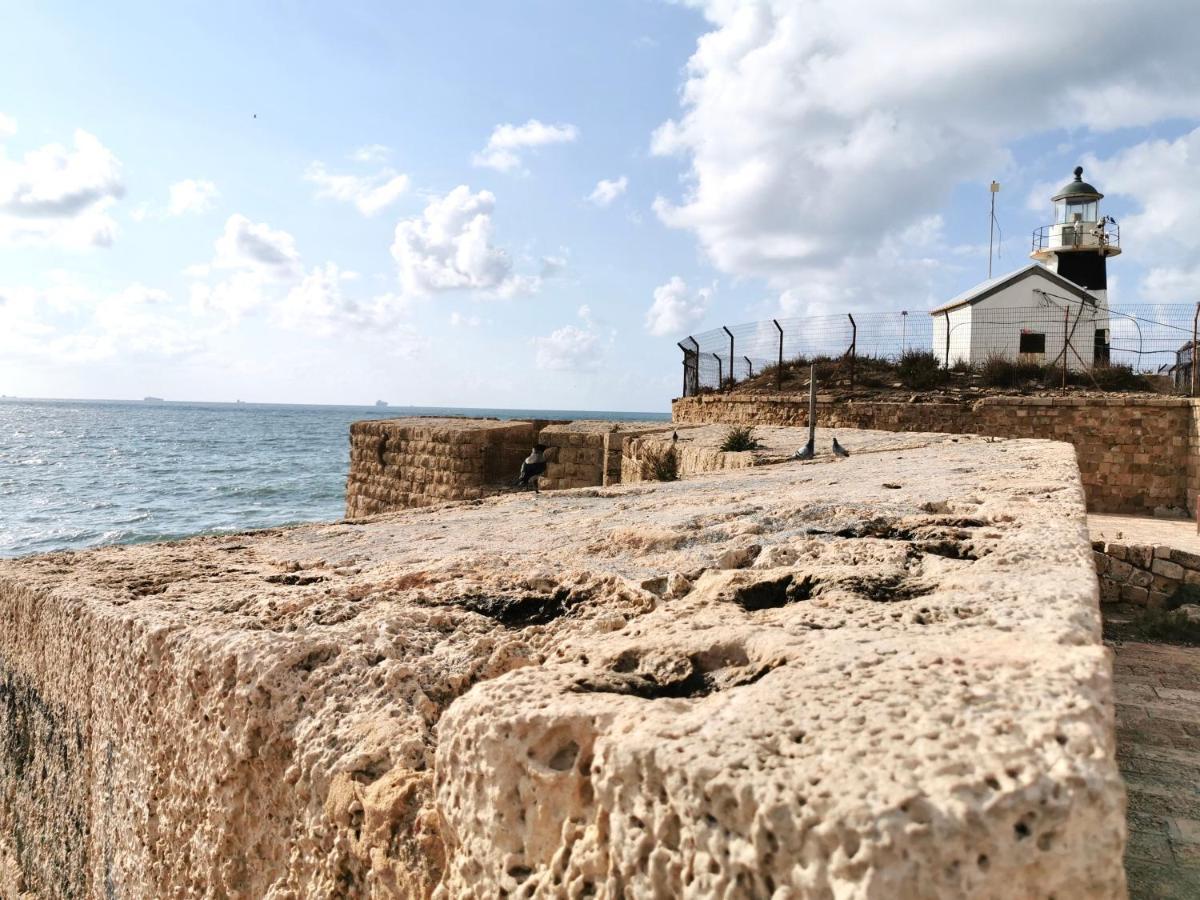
[(902, 695), (1135, 454)]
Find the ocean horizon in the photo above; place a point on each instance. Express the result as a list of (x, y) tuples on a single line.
[(84, 473)]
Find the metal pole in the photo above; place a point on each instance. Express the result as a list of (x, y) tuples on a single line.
[(812, 406), (730, 333), (853, 347), (720, 373), (1066, 325), (1195, 320), (947, 314), (749, 367), (995, 187), (779, 368), (903, 331)]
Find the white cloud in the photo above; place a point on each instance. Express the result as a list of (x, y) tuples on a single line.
[(370, 194), (458, 320), (568, 349), (503, 150), (1164, 234), (675, 309), (191, 196), (607, 191), (60, 196), (319, 305), (8, 126), (814, 130), (371, 153), (553, 265), (257, 248), (449, 247)]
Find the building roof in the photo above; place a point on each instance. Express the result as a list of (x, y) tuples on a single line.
[(1078, 188), (1034, 270)]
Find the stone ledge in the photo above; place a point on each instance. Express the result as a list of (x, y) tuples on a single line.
[(903, 695)]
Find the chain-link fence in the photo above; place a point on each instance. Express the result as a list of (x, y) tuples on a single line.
[(1058, 332)]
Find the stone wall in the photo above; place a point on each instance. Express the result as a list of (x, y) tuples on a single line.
[(768, 682), (1156, 577), (400, 463), (1135, 454)]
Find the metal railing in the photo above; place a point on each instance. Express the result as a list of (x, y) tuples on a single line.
[(1058, 331), (1076, 235)]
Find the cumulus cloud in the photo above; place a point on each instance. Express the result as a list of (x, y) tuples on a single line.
[(371, 153), (60, 195), (676, 309), (504, 147), (256, 248), (813, 130), (319, 304), (607, 191), (191, 195), (449, 247), (369, 193), (1164, 234), (568, 349)]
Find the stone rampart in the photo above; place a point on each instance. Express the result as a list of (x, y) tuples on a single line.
[(1156, 577), (400, 463), (874, 677), (1135, 454), (588, 453)]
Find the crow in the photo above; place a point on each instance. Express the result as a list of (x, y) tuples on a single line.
[(839, 450), (533, 467)]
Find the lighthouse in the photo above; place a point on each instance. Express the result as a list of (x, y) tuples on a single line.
[(1077, 246)]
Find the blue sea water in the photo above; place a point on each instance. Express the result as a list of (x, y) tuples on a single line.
[(76, 473)]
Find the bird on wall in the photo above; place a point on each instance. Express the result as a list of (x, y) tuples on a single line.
[(839, 450), (533, 467)]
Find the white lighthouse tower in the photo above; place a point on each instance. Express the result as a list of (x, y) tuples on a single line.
[(1077, 246)]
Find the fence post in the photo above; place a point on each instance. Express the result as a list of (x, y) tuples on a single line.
[(730, 333), (947, 314), (853, 347), (1195, 320), (1066, 339), (779, 368), (749, 367), (720, 373)]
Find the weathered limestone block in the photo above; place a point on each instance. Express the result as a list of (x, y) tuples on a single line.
[(903, 694)]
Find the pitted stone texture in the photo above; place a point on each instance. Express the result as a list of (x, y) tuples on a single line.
[(902, 694)]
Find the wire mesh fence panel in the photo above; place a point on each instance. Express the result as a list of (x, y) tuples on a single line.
[(1058, 331)]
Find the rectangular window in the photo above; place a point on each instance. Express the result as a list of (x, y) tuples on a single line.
[(1032, 342)]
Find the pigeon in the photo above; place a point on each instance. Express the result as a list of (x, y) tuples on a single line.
[(533, 467), (839, 450), (805, 453), (674, 437)]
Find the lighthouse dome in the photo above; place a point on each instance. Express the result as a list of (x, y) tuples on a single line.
[(1077, 189)]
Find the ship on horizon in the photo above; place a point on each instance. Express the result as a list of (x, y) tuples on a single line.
[(153, 400), (381, 403)]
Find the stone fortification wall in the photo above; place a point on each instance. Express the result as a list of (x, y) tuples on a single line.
[(1156, 577), (879, 677), (400, 463), (587, 453), (1135, 454)]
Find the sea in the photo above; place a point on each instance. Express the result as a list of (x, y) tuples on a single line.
[(82, 473)]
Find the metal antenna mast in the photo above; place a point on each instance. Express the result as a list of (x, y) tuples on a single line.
[(995, 189)]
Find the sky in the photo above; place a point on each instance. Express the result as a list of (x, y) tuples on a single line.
[(526, 203)]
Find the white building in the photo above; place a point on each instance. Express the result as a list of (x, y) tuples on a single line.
[(1059, 300)]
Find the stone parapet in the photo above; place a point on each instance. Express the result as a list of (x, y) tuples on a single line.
[(877, 677), (1136, 454), (1156, 577)]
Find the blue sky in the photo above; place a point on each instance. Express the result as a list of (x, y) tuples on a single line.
[(527, 203)]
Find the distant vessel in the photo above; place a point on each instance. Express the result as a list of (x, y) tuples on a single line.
[(239, 401), (381, 403), (153, 400)]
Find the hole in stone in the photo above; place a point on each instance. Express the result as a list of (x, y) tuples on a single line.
[(564, 757), (316, 658), (520, 873), (774, 593), (983, 862), (521, 611), (1046, 841), (297, 579), (697, 675), (886, 589), (1021, 830)]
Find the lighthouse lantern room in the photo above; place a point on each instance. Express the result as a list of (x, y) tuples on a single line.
[(1080, 240)]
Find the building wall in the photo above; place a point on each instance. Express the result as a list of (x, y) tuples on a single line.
[(1135, 454), (958, 321)]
